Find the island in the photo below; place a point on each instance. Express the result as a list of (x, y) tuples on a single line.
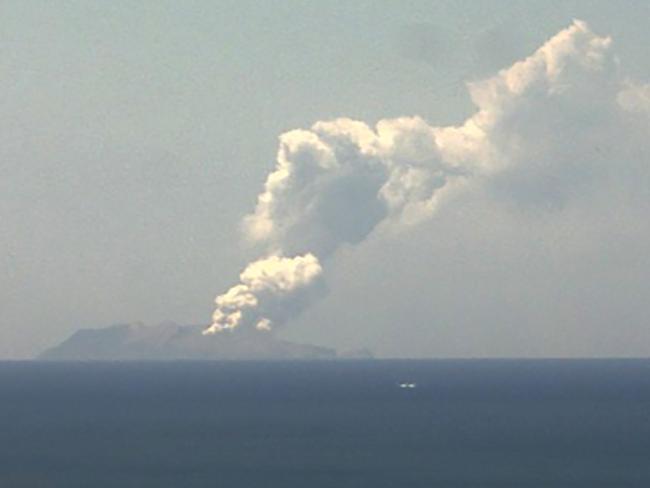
[(171, 341)]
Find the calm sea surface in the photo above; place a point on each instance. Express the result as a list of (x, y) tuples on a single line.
[(326, 424)]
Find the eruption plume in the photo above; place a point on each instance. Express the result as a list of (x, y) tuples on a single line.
[(268, 289), (336, 182)]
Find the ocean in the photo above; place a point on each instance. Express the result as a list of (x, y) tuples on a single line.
[(342, 424)]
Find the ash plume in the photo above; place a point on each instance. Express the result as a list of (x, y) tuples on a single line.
[(334, 183), (268, 293)]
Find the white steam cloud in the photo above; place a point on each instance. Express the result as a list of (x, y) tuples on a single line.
[(268, 290), (336, 182)]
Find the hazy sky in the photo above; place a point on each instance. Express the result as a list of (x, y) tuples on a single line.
[(136, 135)]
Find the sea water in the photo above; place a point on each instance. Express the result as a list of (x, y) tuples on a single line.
[(475, 423)]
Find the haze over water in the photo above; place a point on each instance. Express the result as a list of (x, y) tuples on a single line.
[(467, 423)]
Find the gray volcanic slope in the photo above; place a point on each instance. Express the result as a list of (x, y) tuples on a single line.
[(173, 341)]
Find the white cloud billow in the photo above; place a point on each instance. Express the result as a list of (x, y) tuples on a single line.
[(532, 140), (267, 290)]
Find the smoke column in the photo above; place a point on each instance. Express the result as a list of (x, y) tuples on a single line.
[(337, 181)]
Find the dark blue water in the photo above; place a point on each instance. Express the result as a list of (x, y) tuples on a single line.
[(326, 424)]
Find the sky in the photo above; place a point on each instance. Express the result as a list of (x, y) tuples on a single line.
[(136, 136)]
